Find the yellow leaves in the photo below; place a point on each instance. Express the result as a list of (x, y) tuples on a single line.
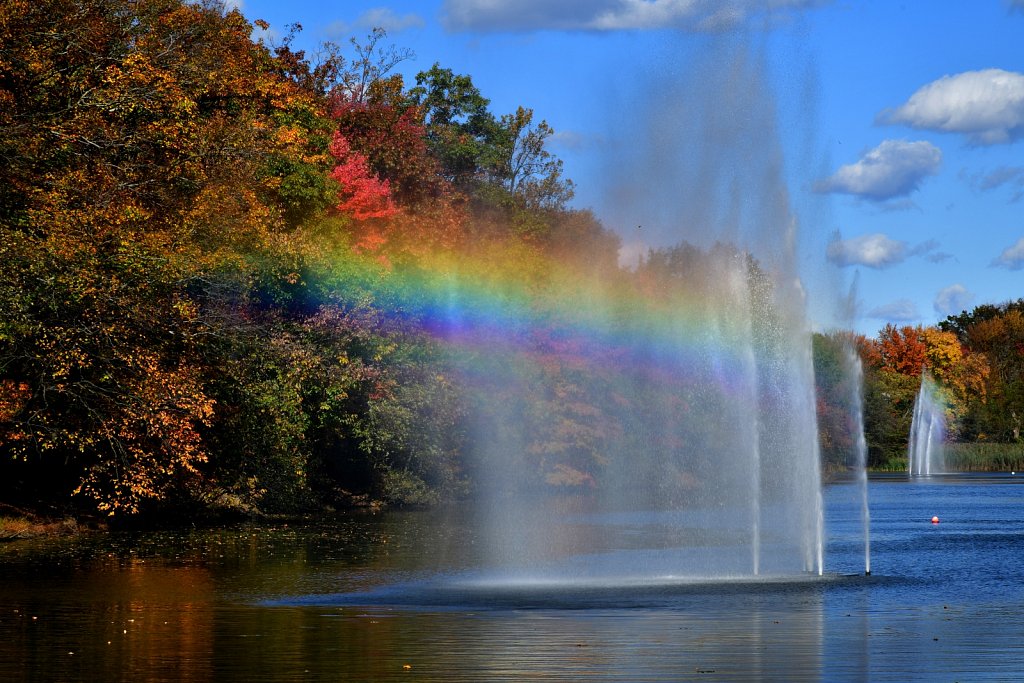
[(155, 438), (386, 349), (186, 309), (64, 354), (227, 219), (942, 349), (12, 9), (133, 213), (1003, 329), (986, 334), (290, 135), (138, 86), (13, 397)]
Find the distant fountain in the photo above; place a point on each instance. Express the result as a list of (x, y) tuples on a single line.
[(927, 430)]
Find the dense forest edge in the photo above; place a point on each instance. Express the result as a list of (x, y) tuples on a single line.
[(237, 280)]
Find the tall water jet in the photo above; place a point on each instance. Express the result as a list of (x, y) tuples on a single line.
[(667, 432), (927, 430), (856, 370)]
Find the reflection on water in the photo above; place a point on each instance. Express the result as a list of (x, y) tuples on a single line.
[(404, 596)]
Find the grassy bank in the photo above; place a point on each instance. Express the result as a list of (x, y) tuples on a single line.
[(17, 524), (984, 457), (970, 457), (892, 465), (17, 528)]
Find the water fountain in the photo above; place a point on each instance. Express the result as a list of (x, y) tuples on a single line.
[(719, 478), (856, 370), (927, 429)]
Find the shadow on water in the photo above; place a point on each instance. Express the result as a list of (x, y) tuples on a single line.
[(485, 592)]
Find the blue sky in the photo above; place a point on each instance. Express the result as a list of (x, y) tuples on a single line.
[(896, 127)]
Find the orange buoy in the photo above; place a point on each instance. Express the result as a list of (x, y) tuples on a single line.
[(935, 520)]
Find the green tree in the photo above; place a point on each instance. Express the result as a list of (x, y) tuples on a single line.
[(888, 411), (460, 129), (525, 168)]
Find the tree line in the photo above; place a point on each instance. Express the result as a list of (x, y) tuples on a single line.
[(219, 258), (234, 277), (975, 357)]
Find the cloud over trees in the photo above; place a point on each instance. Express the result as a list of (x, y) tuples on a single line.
[(952, 299)]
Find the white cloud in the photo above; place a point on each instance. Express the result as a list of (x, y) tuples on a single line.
[(878, 251), (874, 251), (1012, 257), (608, 15), (893, 169), (378, 17), (987, 106), (952, 300), (900, 311)]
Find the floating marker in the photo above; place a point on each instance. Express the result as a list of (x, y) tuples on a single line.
[(935, 520)]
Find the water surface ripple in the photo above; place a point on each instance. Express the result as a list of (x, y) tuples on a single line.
[(409, 596)]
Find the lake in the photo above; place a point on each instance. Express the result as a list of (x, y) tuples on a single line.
[(407, 596)]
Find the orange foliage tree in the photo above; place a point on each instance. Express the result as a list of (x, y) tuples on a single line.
[(152, 150), (901, 349)]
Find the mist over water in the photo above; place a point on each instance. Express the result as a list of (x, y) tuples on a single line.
[(701, 158), (703, 459)]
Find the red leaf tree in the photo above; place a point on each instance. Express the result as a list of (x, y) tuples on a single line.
[(362, 194)]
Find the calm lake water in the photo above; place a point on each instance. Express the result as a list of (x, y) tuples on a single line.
[(407, 596)]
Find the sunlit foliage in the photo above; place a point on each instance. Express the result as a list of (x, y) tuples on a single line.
[(233, 278)]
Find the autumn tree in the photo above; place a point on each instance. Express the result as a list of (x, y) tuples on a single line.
[(993, 370), (1000, 338), (901, 349), (958, 324), (363, 194), (154, 154), (387, 129)]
